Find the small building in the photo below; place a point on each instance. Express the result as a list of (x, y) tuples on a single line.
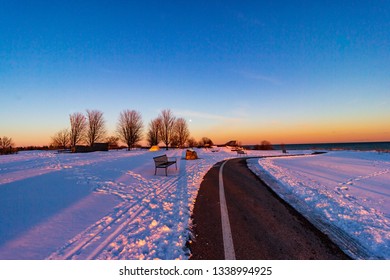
[(102, 147), (232, 143), (87, 149)]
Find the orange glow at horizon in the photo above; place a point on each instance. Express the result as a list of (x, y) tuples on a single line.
[(249, 139), (253, 133), (324, 132)]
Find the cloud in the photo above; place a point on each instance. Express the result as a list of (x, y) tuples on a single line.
[(207, 116), (259, 77)]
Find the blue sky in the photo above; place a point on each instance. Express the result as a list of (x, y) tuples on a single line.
[(284, 71)]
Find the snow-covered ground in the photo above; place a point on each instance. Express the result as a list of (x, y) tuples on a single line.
[(344, 193), (110, 205), (102, 205)]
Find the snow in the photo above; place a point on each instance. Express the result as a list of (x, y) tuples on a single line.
[(110, 205), (346, 194), (101, 205)]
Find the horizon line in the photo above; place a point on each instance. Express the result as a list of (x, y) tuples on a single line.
[(224, 144)]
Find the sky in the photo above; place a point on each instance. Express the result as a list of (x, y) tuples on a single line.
[(282, 71)]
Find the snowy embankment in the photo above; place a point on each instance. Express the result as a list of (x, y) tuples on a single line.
[(102, 205), (346, 194)]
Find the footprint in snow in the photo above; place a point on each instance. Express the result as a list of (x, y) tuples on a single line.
[(343, 187)]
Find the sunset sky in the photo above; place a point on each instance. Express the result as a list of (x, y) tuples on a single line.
[(282, 71)]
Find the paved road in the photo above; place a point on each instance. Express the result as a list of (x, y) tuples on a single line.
[(262, 225)]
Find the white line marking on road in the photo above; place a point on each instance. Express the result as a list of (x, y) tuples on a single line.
[(226, 231)]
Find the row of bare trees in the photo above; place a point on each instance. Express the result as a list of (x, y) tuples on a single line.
[(168, 129), (90, 128)]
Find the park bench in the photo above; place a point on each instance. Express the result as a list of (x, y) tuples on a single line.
[(163, 162), (241, 152)]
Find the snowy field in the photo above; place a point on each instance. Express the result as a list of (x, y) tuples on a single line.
[(110, 205), (346, 194), (102, 205)]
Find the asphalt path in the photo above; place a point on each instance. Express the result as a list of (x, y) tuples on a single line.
[(261, 225)]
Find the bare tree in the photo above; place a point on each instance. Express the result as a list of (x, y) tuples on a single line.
[(266, 145), (96, 127), (192, 142), (130, 127), (175, 141), (167, 125), (206, 142), (61, 139), (153, 134), (78, 125), (181, 131), (6, 144), (112, 142)]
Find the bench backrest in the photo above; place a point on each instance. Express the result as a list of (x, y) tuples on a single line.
[(161, 159)]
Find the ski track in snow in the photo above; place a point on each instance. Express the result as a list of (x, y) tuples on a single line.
[(90, 243)]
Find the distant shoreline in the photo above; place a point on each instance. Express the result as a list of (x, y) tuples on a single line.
[(356, 146)]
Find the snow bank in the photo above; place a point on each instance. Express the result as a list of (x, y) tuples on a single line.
[(346, 194)]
